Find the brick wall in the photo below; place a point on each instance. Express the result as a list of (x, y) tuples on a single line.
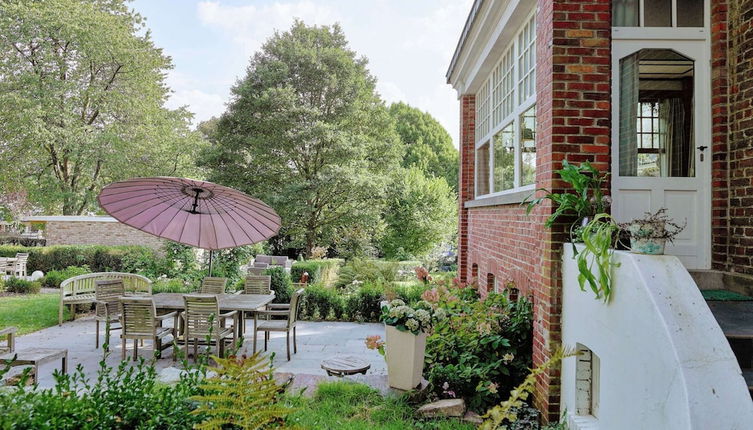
[(719, 135), (573, 120), (97, 233), (465, 186)]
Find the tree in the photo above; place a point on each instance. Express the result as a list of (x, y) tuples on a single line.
[(307, 133), (420, 213), (428, 145), (81, 101)]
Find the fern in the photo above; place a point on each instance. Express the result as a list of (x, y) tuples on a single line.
[(495, 418), (243, 394)]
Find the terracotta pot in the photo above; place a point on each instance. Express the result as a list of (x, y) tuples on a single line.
[(405, 358)]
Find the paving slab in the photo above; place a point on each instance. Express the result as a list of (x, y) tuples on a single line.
[(316, 341)]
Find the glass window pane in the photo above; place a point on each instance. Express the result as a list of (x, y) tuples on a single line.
[(482, 170), (625, 13), (656, 120), (690, 13), (504, 159), (528, 147), (658, 13)]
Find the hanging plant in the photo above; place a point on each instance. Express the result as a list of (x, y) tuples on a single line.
[(649, 235), (595, 259)]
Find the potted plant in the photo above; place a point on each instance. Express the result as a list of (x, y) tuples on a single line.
[(405, 329), (649, 235)]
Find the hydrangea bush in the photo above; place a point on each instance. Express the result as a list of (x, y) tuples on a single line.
[(418, 319)]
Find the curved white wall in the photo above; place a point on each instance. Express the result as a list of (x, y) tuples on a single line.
[(664, 362)]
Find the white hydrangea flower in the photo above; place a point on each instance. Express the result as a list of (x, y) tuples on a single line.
[(440, 314), (423, 316), (411, 324), (397, 302)]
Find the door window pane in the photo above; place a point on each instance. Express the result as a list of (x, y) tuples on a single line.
[(504, 159), (656, 114), (482, 170), (625, 13), (690, 14), (658, 13), (528, 147)]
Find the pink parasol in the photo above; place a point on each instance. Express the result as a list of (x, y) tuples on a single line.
[(196, 213)]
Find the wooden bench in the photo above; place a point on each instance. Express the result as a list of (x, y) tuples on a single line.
[(79, 290), (29, 357)]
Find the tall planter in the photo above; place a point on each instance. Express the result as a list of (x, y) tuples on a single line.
[(405, 353)]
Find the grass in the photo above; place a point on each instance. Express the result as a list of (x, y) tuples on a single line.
[(30, 313), (346, 405)]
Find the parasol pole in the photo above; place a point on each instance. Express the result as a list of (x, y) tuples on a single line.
[(210, 261)]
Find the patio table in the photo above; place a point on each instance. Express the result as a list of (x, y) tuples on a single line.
[(243, 303)]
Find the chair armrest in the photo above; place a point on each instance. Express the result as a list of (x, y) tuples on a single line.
[(228, 315), (9, 331), (166, 316), (273, 313), (273, 306)]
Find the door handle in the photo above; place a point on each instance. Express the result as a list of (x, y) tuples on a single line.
[(702, 148)]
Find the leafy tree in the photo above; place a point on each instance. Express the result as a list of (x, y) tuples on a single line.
[(428, 145), (421, 213), (307, 133), (82, 91)]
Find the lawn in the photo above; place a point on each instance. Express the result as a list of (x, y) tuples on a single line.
[(30, 313), (345, 405)]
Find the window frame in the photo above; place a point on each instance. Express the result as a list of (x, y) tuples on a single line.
[(485, 114)]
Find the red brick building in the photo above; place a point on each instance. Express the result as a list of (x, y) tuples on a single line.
[(658, 93)]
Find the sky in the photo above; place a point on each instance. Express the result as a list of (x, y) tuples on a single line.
[(409, 45)]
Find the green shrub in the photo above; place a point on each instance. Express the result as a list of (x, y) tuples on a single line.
[(98, 258), (411, 293), (173, 285), (323, 271), (281, 284), (368, 271), (364, 304), (54, 278), (482, 351), (320, 301), (21, 286)]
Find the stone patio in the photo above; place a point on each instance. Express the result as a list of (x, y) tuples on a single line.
[(316, 341)]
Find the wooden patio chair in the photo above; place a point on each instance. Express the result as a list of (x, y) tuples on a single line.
[(107, 294), (201, 318), (19, 269), (10, 339), (213, 285), (287, 325), (6, 267), (257, 284), (140, 321)]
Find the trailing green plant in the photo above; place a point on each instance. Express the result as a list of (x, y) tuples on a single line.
[(505, 415), (586, 201), (54, 278), (281, 284), (242, 394), (21, 286), (596, 256), (654, 226)]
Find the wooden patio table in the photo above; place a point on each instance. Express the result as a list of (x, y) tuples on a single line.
[(243, 303)]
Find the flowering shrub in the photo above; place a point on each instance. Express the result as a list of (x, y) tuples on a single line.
[(414, 320), (482, 350)]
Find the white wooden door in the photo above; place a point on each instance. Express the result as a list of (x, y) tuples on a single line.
[(688, 199)]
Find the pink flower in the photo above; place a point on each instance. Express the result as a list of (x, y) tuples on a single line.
[(374, 342), (431, 296)]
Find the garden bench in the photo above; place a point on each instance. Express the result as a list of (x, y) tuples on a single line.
[(274, 261), (80, 290)]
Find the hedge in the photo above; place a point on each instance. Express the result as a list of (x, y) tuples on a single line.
[(98, 258), (320, 271)]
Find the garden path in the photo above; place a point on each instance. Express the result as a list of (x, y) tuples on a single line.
[(316, 341)]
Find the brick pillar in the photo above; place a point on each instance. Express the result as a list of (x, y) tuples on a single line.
[(719, 135), (573, 98), (467, 173)]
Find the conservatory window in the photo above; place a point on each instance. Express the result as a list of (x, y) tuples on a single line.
[(658, 13), (506, 118)]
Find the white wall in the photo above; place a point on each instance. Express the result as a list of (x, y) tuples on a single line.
[(664, 362)]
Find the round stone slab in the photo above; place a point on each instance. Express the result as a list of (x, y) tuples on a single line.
[(342, 365)]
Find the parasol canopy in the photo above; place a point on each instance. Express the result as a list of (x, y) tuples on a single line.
[(195, 213)]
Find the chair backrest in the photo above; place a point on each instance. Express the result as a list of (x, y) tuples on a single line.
[(109, 291), (202, 314), (138, 316), (213, 285), (295, 304), (22, 256), (272, 260), (258, 284), (256, 270), (261, 265)]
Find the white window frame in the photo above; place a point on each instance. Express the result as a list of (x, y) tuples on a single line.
[(486, 95), (661, 33)]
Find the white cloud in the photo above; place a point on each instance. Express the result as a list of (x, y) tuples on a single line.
[(204, 105), (249, 26)]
